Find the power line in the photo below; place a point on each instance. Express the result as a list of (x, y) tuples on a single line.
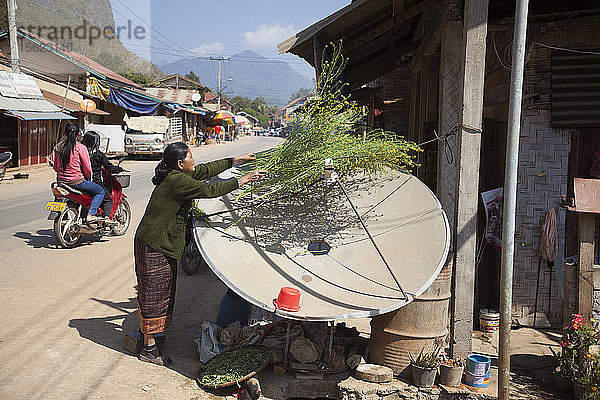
[(151, 27), (151, 36)]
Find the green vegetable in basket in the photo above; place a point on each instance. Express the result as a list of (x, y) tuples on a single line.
[(233, 365)]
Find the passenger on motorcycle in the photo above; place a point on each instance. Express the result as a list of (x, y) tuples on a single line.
[(91, 140), (71, 161)]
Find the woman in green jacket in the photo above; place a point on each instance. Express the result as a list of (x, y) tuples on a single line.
[(160, 237)]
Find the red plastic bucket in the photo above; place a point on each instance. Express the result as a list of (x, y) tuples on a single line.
[(288, 299)]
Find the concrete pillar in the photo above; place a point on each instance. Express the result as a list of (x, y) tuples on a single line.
[(467, 174), (451, 68)]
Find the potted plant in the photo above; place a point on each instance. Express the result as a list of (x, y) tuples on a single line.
[(451, 370), (587, 384), (574, 357), (424, 367)]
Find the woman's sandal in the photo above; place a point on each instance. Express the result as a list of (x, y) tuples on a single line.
[(151, 357)]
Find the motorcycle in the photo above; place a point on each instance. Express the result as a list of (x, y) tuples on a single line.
[(70, 208), (4, 159)]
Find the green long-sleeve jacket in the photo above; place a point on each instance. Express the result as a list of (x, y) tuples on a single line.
[(164, 221)]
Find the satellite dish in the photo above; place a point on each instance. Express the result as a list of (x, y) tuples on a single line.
[(314, 242), (196, 97)]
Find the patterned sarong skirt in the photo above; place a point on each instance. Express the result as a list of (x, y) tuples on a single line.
[(156, 278)]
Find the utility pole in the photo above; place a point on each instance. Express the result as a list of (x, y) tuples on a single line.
[(510, 196), (219, 59), (12, 33)]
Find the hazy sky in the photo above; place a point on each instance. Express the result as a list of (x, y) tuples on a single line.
[(184, 28)]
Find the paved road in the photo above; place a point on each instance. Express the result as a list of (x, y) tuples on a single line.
[(64, 311)]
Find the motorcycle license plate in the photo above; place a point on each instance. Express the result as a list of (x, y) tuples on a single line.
[(55, 206)]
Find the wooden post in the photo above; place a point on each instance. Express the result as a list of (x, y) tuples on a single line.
[(467, 174), (587, 226)]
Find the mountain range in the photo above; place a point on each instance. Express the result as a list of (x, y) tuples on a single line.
[(39, 16), (246, 74), (251, 74)]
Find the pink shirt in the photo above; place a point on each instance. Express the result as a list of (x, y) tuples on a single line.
[(80, 160)]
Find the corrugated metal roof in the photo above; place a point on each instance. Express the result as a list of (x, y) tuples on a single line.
[(181, 96), (28, 115), (182, 81), (575, 89), (35, 105)]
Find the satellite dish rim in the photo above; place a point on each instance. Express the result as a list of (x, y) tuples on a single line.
[(356, 314)]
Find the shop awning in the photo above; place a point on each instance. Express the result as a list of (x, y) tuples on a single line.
[(195, 110), (70, 105), (32, 115)]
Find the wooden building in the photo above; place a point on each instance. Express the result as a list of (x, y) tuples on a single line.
[(431, 67)]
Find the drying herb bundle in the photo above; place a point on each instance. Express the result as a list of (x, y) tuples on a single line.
[(233, 365), (328, 126)]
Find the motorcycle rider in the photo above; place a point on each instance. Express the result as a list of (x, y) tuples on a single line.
[(71, 161), (91, 140)]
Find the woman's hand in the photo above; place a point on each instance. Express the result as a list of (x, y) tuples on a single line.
[(251, 177), (244, 158)]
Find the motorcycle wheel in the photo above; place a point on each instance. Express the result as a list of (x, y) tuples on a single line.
[(191, 260), (64, 228), (123, 219)]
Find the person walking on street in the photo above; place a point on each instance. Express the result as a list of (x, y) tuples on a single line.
[(160, 237)]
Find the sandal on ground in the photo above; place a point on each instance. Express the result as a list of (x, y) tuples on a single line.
[(154, 357)]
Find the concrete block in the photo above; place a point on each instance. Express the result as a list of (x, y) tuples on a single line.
[(374, 373), (353, 385)]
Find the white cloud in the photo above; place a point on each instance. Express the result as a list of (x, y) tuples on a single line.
[(208, 49), (267, 36)]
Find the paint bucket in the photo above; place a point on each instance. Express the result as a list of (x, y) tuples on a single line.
[(488, 321), (477, 381), (478, 370)]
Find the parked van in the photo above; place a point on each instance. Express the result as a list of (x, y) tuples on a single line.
[(112, 138), (150, 135)]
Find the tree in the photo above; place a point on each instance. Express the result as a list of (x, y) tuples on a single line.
[(137, 77), (193, 77), (300, 93)]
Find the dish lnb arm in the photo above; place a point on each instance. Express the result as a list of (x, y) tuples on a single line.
[(329, 174)]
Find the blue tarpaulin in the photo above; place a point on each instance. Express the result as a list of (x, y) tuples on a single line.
[(133, 101)]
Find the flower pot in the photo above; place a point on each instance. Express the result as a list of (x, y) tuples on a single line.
[(450, 376), (562, 384), (578, 391), (581, 356), (423, 376)]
